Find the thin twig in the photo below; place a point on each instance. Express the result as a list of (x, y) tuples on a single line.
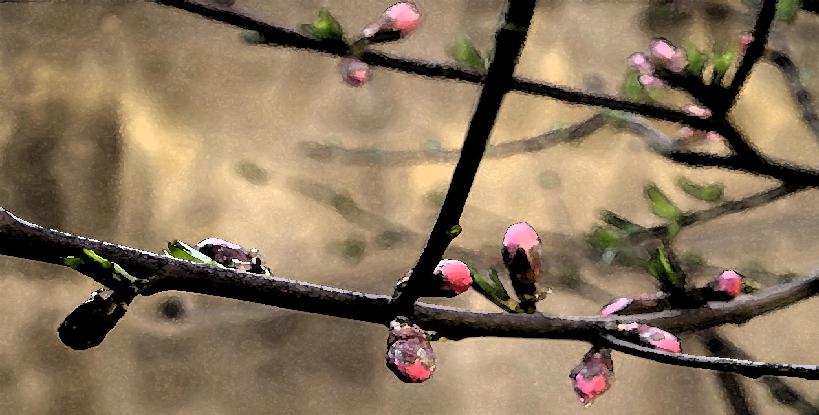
[(509, 41), (778, 388), (747, 368), (800, 93), (754, 50), (280, 36), (730, 383)]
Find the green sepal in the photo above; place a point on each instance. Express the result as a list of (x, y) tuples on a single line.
[(696, 61), (183, 251), (325, 26), (494, 291), (708, 192), (660, 266)]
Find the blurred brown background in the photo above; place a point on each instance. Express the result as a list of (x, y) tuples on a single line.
[(137, 123)]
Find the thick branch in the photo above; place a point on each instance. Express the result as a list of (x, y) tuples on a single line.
[(747, 368), (22, 239), (754, 50)]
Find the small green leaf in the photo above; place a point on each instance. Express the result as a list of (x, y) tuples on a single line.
[(454, 231), (696, 61), (722, 61), (100, 260), (325, 26), (120, 273), (183, 251), (463, 51), (494, 291), (709, 192), (661, 268), (604, 237), (73, 261), (619, 222), (660, 204), (787, 9)]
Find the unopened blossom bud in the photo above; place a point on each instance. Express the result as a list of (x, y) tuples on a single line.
[(593, 375), (700, 112), (409, 353), (521, 255), (615, 306), (727, 285), (669, 56), (652, 336), (745, 39), (354, 72), (454, 275), (91, 321), (232, 255), (650, 81), (401, 17), (640, 62)]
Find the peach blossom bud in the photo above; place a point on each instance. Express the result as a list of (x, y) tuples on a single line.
[(593, 375), (728, 283), (402, 17), (354, 72), (652, 336), (409, 353), (745, 39), (615, 306), (671, 57), (521, 255), (650, 81), (639, 61), (455, 276), (698, 111)]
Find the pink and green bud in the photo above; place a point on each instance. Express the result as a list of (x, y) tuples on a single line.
[(354, 72), (521, 255), (409, 353), (593, 375), (232, 255), (639, 61), (401, 17), (652, 336), (669, 56)]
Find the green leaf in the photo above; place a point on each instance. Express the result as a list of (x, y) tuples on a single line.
[(722, 61), (696, 61), (183, 251), (708, 192), (659, 265), (325, 26), (454, 231), (494, 291), (787, 9), (603, 237), (73, 262), (463, 51), (660, 204), (619, 222), (98, 259)]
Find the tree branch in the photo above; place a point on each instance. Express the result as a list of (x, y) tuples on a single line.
[(754, 50), (747, 368), (800, 93), (509, 41), (279, 36)]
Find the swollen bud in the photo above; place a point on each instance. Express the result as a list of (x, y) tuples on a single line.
[(90, 322), (615, 306), (726, 286), (354, 72), (667, 55), (521, 255), (232, 255), (652, 336), (593, 375), (409, 353), (402, 18), (454, 276)]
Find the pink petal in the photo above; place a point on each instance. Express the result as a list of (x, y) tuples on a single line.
[(649, 81), (615, 306), (456, 275), (662, 49), (640, 62), (729, 282), (520, 235), (403, 17), (698, 111)]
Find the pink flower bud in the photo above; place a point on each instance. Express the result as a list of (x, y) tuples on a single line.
[(745, 39), (713, 136), (593, 375), (521, 255), (222, 251), (401, 17), (455, 276), (652, 336), (650, 81), (409, 353), (671, 57), (728, 283), (354, 72), (698, 111), (615, 306), (639, 61)]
